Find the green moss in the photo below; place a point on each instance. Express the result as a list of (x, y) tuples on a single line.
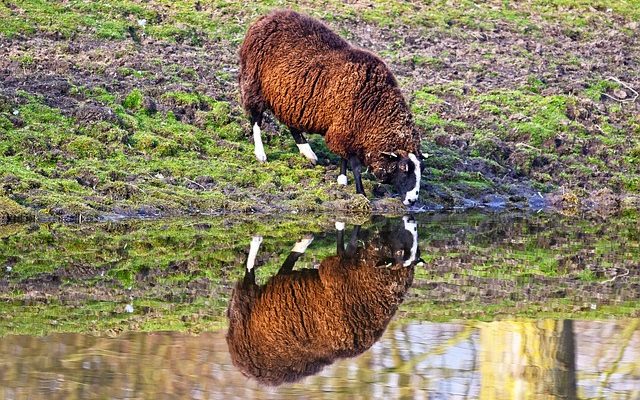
[(134, 100), (126, 71), (631, 183), (189, 99), (535, 85), (220, 113), (11, 211), (538, 117), (85, 147), (432, 62), (596, 89)]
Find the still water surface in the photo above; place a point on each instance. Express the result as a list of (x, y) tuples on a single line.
[(422, 360), (529, 308)]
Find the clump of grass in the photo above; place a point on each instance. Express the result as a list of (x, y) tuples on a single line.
[(11, 211), (187, 99), (355, 204), (530, 117), (85, 147), (596, 89), (134, 100)]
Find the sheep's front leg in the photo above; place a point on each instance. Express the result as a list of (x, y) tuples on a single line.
[(250, 272), (296, 252), (356, 167), (342, 178), (256, 123), (303, 146), (352, 246)]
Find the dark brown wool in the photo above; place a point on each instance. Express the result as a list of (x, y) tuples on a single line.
[(297, 323), (315, 81)]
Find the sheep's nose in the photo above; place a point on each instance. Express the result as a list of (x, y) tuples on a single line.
[(409, 202)]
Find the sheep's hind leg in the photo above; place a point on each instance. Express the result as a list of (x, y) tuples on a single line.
[(256, 123), (303, 146), (250, 271), (340, 238), (253, 252), (356, 167), (342, 178)]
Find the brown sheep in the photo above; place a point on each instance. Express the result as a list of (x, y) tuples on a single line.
[(301, 321), (314, 81)]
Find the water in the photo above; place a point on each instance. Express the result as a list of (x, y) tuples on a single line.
[(495, 360), (445, 307)]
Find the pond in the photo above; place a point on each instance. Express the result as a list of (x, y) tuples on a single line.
[(459, 305)]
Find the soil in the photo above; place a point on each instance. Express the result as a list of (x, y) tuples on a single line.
[(565, 61)]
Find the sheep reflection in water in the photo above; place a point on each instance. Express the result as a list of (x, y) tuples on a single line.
[(301, 321)]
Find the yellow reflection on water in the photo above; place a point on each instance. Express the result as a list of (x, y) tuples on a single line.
[(527, 360)]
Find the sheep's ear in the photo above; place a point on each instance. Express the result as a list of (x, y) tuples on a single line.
[(389, 155)]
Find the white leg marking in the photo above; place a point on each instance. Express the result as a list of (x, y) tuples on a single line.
[(412, 227), (339, 226), (342, 179), (412, 195), (306, 151), (253, 252), (257, 141), (301, 245)]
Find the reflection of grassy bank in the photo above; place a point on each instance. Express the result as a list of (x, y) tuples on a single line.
[(442, 311), (178, 274)]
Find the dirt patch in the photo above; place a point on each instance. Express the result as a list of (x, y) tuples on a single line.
[(479, 158)]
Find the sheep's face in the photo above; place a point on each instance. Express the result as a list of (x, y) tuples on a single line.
[(404, 171)]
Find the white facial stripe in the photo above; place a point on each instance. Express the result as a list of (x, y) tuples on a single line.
[(342, 179), (253, 252), (257, 141), (412, 227), (301, 246), (306, 151), (412, 195)]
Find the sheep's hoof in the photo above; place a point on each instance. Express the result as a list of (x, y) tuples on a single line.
[(261, 156), (306, 151), (339, 225), (342, 180), (301, 245), (313, 159)]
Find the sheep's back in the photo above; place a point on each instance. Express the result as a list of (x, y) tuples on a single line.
[(309, 76), (291, 328)]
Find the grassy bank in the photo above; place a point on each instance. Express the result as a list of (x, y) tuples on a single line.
[(131, 108)]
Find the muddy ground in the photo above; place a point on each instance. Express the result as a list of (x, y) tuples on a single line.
[(520, 106)]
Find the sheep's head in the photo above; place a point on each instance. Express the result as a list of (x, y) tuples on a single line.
[(403, 170)]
